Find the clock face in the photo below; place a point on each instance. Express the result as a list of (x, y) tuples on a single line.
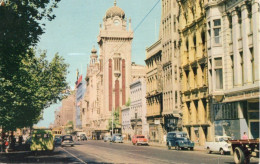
[(116, 22)]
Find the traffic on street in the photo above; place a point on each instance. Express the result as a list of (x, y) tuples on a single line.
[(98, 151)]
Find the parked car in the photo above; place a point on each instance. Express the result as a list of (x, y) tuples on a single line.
[(107, 138), (179, 140), (67, 140), (117, 138), (57, 141), (79, 134), (83, 137), (139, 140), (220, 145)]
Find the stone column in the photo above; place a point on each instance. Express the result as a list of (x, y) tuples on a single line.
[(256, 39), (246, 54), (236, 55)]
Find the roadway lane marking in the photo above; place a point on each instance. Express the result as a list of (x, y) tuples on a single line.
[(73, 155)]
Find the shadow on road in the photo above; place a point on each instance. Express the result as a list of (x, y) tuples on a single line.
[(31, 157)]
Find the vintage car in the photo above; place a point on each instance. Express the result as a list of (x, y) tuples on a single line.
[(117, 138), (57, 140), (139, 140), (220, 145), (179, 140), (67, 140), (107, 138)]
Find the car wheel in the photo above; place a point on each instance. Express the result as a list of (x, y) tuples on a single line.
[(191, 148), (208, 151), (239, 156), (169, 147), (222, 152)]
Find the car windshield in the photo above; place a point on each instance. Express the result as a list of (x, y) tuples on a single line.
[(177, 135), (181, 135), (140, 137), (224, 139)]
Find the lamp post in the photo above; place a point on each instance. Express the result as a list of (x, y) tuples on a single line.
[(112, 121)]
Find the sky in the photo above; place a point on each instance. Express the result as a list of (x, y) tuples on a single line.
[(74, 31)]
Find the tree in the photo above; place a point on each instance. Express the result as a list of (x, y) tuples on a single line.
[(116, 123), (27, 83), (35, 86), (20, 29), (69, 127)]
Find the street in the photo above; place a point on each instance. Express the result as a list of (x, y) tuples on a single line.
[(103, 152)]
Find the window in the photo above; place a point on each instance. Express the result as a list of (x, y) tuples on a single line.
[(242, 67), (176, 97), (174, 24), (217, 29), (252, 64), (218, 73)]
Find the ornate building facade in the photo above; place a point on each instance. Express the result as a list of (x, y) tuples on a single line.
[(233, 49), (154, 92), (196, 114), (170, 66), (109, 75), (138, 108)]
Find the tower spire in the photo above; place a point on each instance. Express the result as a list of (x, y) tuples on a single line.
[(115, 3)]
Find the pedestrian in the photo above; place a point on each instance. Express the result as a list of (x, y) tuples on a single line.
[(6, 146), (245, 137), (1, 144)]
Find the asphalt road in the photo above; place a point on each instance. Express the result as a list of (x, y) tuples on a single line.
[(101, 152)]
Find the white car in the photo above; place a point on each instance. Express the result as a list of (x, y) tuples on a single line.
[(219, 145)]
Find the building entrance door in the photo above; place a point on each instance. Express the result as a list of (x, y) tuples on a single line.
[(254, 128)]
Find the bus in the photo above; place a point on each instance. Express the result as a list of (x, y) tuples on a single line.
[(42, 140)]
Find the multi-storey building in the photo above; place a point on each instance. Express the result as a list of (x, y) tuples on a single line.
[(90, 106), (170, 66), (193, 52), (109, 79), (154, 92), (233, 62), (138, 108), (67, 110), (126, 124)]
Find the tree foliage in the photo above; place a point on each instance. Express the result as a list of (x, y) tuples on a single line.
[(35, 86), (28, 84), (20, 29), (116, 123)]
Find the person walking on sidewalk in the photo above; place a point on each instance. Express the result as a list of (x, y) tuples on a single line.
[(6, 146)]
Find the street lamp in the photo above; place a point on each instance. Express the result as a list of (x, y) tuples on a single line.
[(112, 120)]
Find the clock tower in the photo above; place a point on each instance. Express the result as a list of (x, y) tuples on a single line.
[(115, 44)]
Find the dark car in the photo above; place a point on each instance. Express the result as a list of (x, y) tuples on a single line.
[(67, 140), (57, 141), (179, 140)]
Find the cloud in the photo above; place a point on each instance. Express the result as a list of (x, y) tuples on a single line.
[(77, 54)]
